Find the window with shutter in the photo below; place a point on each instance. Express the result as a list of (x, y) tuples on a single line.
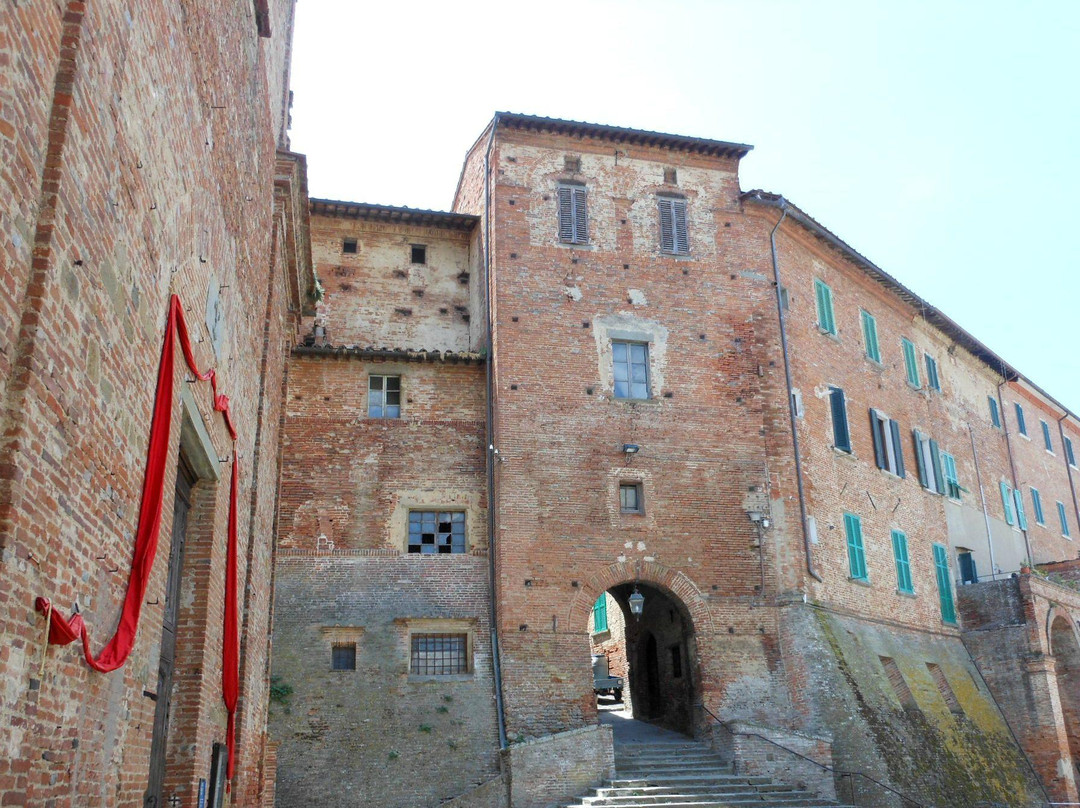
[(928, 460), (887, 452), (1036, 505), (869, 330), (903, 564), (600, 614), (573, 215), (856, 552), (1021, 424), (1063, 519), (674, 236), (1046, 436), (823, 296), (1021, 517), (944, 582), (932, 380), (1069, 452), (1007, 502), (952, 481), (995, 414), (841, 433), (910, 363)]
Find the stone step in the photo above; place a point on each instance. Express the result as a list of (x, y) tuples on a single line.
[(734, 797), (687, 779)]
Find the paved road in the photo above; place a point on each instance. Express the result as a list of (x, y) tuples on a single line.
[(626, 729)]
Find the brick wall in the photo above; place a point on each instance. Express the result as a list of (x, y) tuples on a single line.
[(142, 155)]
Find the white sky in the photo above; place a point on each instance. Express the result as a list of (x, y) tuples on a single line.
[(940, 139)]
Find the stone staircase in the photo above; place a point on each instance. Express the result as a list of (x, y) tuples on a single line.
[(688, 775)]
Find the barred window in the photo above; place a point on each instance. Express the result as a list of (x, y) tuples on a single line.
[(343, 656), (439, 654), (433, 532)]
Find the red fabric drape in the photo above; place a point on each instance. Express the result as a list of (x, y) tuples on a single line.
[(116, 651)]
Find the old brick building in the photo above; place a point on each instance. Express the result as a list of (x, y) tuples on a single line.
[(144, 155), (611, 370)]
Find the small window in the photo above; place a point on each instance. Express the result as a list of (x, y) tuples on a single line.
[(928, 460), (673, 232), (436, 532), (823, 296), (1063, 519), (343, 656), (887, 452), (419, 254), (910, 363), (671, 176), (573, 215), (599, 612), (676, 662), (869, 330), (1007, 502), (1036, 506), (1069, 452), (944, 583), (631, 369), (838, 407), (968, 573), (439, 654), (384, 396), (995, 414), (1021, 424), (856, 553), (349, 246), (952, 481), (1046, 436), (797, 403), (932, 380), (903, 564), (630, 498)]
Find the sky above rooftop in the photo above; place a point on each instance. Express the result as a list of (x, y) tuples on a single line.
[(939, 139)]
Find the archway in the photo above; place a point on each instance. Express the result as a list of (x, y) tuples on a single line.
[(1066, 651), (655, 654)]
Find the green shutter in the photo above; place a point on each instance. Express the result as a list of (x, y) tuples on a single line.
[(824, 307), (952, 482), (944, 582), (910, 363), (932, 380), (1036, 503), (1021, 517), (869, 330), (1069, 452), (995, 415), (1064, 519), (856, 553), (1007, 503), (600, 614), (903, 565)]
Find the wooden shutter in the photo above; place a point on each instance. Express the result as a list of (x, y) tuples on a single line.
[(894, 430), (1006, 503), (667, 225), (920, 460), (856, 553), (903, 564), (941, 567), (876, 424), (1021, 517), (935, 462), (841, 436), (566, 213), (581, 216), (682, 240)]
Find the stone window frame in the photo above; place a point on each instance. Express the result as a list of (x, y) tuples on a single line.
[(337, 636), (416, 626), (624, 327), (438, 499), (464, 522)]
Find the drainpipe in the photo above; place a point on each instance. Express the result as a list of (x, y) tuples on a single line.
[(1068, 468), (1012, 463), (982, 496), (494, 617), (790, 404)]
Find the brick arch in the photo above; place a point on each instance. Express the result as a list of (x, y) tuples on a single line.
[(672, 583), (1055, 613)]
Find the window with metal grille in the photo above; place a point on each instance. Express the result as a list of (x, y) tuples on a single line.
[(573, 214), (631, 369), (674, 238), (384, 396), (439, 654), (630, 498), (343, 656), (432, 532)]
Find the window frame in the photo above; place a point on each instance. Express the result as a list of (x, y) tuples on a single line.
[(572, 204), (350, 246), (888, 454), (933, 376), (839, 418), (449, 632), (870, 336), (439, 512), (675, 224), (944, 583), (629, 364), (383, 391), (928, 462), (953, 489), (911, 363), (826, 313), (902, 562), (413, 252), (856, 548), (636, 486), (1048, 444), (342, 645), (1063, 518)]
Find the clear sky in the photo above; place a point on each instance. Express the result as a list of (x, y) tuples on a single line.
[(939, 139)]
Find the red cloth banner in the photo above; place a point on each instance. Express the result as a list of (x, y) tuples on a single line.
[(116, 651)]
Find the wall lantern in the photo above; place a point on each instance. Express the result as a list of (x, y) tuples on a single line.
[(637, 603), (630, 448)]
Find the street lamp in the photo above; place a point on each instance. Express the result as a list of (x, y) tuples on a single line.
[(637, 602)]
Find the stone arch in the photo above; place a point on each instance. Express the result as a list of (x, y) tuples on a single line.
[(1055, 613), (1063, 640), (671, 582)]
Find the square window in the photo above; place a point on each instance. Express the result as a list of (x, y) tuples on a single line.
[(343, 656), (673, 232), (630, 500), (439, 654), (384, 396), (436, 532), (419, 254), (349, 246), (573, 215), (631, 369)]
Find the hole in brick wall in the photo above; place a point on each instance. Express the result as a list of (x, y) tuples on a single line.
[(514, 387), (573, 260), (463, 277), (626, 266), (623, 221), (528, 582), (523, 627), (546, 198), (465, 317), (945, 688), (418, 254), (400, 273), (588, 391), (897, 682), (513, 255), (574, 584), (733, 277), (730, 629), (511, 201), (403, 312), (513, 319), (418, 292), (668, 394), (345, 287), (686, 272), (511, 159), (701, 336), (444, 311), (727, 224), (585, 324)]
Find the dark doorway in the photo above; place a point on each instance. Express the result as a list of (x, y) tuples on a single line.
[(653, 706), (185, 481)]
